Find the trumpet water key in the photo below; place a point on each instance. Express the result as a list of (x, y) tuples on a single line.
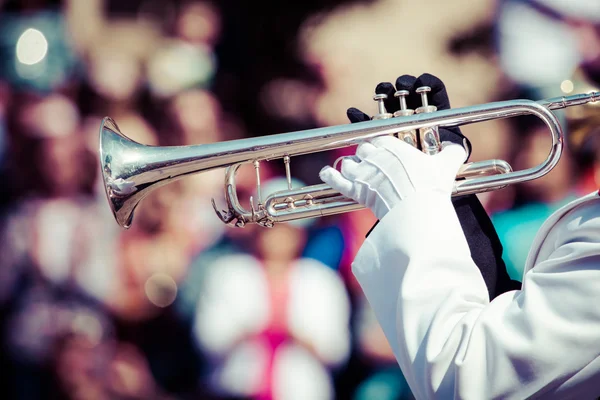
[(131, 170)]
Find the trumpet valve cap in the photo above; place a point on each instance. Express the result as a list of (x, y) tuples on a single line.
[(383, 116), (425, 109)]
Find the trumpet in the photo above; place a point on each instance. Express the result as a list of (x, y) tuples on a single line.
[(131, 170)]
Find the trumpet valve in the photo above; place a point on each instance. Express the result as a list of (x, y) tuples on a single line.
[(404, 111), (409, 137), (430, 136), (381, 111), (425, 107)]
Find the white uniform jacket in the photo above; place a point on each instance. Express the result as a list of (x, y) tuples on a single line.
[(542, 341)]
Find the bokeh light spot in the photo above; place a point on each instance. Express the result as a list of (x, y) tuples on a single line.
[(566, 86), (32, 47), (161, 290)]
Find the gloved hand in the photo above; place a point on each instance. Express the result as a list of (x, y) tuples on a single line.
[(485, 246), (437, 97), (387, 170)]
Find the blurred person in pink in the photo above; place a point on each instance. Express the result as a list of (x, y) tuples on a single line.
[(274, 324)]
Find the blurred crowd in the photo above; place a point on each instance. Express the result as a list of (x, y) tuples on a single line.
[(181, 306)]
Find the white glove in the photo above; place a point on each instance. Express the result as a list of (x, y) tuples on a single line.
[(387, 170)]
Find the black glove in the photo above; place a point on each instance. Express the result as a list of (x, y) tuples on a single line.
[(486, 249)]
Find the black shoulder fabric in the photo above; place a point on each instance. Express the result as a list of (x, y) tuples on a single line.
[(485, 245)]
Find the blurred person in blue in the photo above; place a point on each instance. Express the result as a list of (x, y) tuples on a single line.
[(417, 272), (273, 324), (548, 47), (536, 200)]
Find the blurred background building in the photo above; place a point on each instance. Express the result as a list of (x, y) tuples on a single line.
[(180, 306)]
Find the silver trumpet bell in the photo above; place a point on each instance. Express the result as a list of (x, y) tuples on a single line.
[(131, 170)]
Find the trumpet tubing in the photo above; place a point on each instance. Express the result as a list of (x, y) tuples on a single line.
[(131, 170)]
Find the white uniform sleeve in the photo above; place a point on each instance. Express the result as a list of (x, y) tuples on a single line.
[(450, 340)]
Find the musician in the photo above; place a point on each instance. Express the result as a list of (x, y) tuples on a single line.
[(484, 243), (418, 273)]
